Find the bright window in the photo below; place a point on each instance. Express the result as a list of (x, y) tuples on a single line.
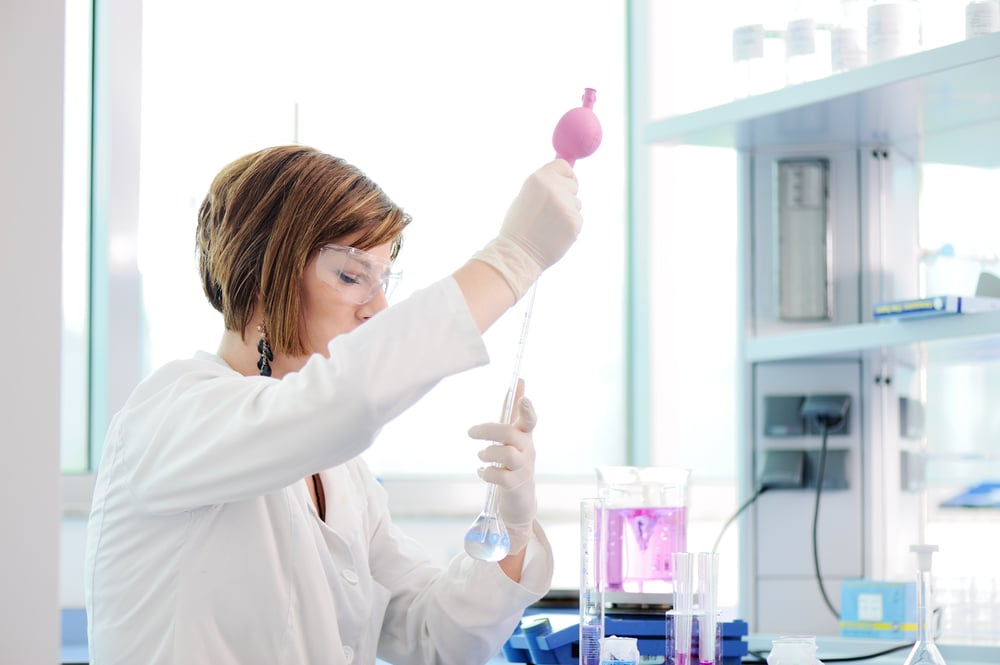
[(448, 106), (74, 447)]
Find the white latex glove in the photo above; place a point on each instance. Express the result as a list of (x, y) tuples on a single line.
[(515, 475), (540, 226)]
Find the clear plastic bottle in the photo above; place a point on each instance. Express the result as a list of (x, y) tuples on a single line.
[(924, 651), (848, 39), (982, 17), (758, 50), (894, 29), (807, 42)]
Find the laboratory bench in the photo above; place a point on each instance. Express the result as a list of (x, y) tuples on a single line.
[(835, 649), (74, 648)]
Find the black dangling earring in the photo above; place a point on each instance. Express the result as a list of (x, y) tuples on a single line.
[(264, 349)]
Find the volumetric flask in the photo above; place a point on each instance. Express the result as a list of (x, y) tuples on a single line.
[(646, 523), (924, 651), (591, 596)]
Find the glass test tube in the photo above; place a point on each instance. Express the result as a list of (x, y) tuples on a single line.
[(708, 584), (591, 581), (683, 612)]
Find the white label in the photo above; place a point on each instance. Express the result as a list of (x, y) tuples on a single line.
[(801, 37), (847, 49), (893, 30), (869, 607), (982, 18), (748, 42)]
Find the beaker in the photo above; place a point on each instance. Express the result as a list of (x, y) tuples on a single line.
[(646, 522), (591, 595)]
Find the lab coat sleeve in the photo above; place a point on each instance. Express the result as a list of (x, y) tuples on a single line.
[(460, 615), (199, 434)]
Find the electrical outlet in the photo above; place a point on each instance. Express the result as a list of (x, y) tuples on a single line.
[(799, 469), (783, 470)]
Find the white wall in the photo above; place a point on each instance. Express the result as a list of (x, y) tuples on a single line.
[(31, 78)]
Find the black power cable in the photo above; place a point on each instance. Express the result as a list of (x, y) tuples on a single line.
[(761, 656), (824, 428), (739, 511)]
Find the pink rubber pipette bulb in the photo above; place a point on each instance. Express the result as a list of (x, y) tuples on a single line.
[(578, 132)]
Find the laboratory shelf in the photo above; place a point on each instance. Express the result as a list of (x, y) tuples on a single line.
[(940, 105), (973, 328)]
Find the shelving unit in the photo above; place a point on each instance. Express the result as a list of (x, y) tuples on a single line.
[(940, 106), (864, 336), (937, 106)]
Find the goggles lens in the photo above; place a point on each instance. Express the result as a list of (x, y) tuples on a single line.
[(355, 274)]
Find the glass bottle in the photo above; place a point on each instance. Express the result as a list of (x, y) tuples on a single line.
[(848, 39), (894, 29), (924, 651)]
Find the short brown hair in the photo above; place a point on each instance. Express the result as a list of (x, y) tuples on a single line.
[(264, 217)]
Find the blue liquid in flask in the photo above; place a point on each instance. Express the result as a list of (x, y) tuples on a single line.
[(487, 538)]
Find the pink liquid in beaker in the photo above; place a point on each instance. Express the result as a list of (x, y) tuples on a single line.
[(639, 544)]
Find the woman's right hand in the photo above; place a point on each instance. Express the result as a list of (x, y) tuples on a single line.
[(541, 224)]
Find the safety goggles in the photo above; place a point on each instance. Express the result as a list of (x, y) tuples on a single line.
[(355, 274)]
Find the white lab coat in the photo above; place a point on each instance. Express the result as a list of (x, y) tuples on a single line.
[(204, 545)]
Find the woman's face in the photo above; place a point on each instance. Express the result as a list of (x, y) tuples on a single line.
[(331, 285)]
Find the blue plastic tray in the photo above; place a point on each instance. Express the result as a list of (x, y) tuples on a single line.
[(535, 642)]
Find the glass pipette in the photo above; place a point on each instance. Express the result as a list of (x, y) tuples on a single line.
[(577, 134), (487, 538)]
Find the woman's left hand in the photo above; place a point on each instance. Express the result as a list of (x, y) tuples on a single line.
[(512, 468)]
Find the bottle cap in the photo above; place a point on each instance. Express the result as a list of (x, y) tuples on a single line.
[(924, 553)]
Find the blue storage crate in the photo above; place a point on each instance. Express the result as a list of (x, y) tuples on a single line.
[(535, 642)]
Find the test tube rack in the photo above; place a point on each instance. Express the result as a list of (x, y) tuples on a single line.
[(534, 642)]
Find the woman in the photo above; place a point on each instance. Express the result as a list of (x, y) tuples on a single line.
[(233, 521)]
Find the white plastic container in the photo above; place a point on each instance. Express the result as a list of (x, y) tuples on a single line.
[(982, 17), (793, 650), (893, 29)]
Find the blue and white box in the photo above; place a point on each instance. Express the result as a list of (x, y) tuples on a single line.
[(883, 610)]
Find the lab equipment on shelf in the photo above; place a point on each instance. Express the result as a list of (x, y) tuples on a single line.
[(758, 52), (894, 29), (807, 42), (934, 306), (982, 17), (848, 39)]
